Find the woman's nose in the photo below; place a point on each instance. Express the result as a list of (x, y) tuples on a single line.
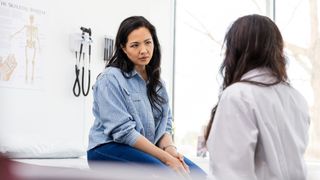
[(143, 49)]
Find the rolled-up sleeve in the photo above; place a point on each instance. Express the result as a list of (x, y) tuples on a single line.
[(166, 107), (113, 113), (169, 123)]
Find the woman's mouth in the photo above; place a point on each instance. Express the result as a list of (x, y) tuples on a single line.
[(144, 58)]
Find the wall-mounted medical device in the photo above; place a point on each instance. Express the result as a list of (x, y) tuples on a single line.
[(108, 48), (80, 44)]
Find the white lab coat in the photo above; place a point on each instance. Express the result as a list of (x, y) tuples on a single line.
[(259, 133)]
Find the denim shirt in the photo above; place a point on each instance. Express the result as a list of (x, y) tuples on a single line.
[(123, 111)]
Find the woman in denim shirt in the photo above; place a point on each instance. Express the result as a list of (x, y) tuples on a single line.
[(133, 122)]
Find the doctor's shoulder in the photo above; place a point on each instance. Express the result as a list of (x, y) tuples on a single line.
[(239, 90), (300, 99)]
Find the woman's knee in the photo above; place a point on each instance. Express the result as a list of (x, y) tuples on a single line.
[(121, 153)]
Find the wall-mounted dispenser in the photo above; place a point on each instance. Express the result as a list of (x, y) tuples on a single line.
[(108, 48)]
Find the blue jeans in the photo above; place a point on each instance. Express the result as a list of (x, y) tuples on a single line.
[(115, 152)]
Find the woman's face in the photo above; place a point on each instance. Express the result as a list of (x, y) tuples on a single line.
[(139, 47)]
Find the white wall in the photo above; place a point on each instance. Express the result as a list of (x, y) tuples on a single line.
[(52, 112)]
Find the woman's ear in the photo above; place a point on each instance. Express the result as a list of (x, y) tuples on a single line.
[(123, 49)]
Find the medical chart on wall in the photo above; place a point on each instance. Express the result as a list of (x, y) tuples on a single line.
[(22, 40)]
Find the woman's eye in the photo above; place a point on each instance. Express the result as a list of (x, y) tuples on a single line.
[(134, 46)]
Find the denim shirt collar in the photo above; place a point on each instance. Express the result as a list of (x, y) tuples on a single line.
[(131, 73), (134, 73)]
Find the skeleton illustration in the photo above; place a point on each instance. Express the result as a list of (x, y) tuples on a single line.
[(32, 40)]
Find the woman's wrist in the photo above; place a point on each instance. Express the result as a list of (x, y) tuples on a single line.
[(165, 157), (169, 146)]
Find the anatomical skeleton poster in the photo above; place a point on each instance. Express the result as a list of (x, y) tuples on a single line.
[(22, 39)]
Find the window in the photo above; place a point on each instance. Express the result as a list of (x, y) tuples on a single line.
[(303, 51)]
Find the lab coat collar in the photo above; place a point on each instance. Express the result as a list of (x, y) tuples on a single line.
[(263, 75)]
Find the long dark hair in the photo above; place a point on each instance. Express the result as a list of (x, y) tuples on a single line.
[(121, 60), (253, 41)]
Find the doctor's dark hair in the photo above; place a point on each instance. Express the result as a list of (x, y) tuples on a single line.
[(253, 41), (121, 60)]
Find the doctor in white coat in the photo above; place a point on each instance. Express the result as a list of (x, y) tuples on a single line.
[(259, 128)]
